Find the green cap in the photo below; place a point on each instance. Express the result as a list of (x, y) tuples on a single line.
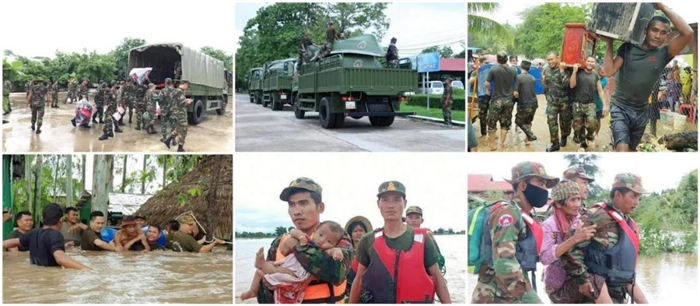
[(564, 190), (392, 186), (575, 172), (168, 81), (629, 180), (414, 210), (526, 170), (300, 183)]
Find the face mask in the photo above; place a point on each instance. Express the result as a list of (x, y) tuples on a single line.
[(537, 197)]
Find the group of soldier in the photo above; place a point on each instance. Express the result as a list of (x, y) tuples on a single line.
[(589, 252), (125, 95), (571, 93)]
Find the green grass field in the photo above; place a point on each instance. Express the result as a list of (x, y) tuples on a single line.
[(433, 112)]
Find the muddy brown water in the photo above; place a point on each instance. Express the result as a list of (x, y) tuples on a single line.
[(214, 134), (122, 278), (452, 248), (515, 139), (666, 279)]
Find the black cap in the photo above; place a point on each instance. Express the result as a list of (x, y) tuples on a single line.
[(52, 214)]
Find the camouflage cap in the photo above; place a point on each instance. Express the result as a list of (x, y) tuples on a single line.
[(526, 170), (629, 180), (186, 220), (575, 172), (395, 186), (301, 183), (414, 210), (564, 190), (168, 81)]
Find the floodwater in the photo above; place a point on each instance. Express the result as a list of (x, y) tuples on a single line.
[(122, 278), (452, 248), (666, 280), (515, 139), (214, 134)]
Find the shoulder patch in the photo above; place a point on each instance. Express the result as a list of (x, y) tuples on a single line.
[(505, 220)]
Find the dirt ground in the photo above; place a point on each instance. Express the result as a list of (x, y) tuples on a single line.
[(214, 134)]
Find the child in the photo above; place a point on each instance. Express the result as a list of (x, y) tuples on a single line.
[(288, 275)]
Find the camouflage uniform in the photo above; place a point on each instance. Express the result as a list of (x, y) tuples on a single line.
[(28, 87), (84, 91), (504, 281), (447, 104), (72, 90), (140, 105), (111, 101), (6, 89), (606, 235), (558, 108), (54, 94), (315, 261), (523, 119), (584, 121), (49, 92), (331, 35), (128, 97), (165, 102), (392, 56), (483, 113), (178, 110), (151, 106), (100, 103), (38, 92), (500, 111)]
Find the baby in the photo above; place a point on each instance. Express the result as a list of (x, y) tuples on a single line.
[(287, 275)]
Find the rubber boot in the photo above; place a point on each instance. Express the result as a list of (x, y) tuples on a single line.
[(166, 141), (111, 134), (73, 122), (94, 119), (117, 129), (492, 141), (563, 141), (38, 130), (101, 121), (138, 127), (553, 148), (104, 136), (180, 148), (121, 121)]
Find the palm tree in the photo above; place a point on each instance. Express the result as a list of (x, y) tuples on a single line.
[(482, 24)]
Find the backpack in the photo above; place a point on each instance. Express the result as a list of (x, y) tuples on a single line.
[(476, 219)]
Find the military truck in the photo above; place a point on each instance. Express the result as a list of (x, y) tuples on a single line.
[(277, 83), (206, 75), (255, 85), (350, 82)]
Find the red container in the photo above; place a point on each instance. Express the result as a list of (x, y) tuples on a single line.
[(578, 43)]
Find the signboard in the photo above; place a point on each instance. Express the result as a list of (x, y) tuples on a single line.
[(429, 62)]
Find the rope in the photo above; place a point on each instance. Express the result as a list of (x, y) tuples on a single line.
[(200, 225)]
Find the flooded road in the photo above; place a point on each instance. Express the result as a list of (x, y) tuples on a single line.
[(122, 278), (665, 279), (515, 140), (261, 129), (452, 248), (214, 134)]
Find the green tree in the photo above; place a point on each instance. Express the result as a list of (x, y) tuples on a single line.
[(220, 55), (353, 18), (444, 51), (480, 24), (280, 230), (121, 54), (542, 29), (589, 163)]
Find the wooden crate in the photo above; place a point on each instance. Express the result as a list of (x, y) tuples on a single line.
[(577, 44), (622, 21)]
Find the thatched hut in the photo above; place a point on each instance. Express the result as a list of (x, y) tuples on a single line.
[(212, 205)]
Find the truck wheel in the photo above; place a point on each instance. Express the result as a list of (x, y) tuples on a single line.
[(276, 105), (381, 121), (252, 99), (257, 100), (197, 114), (222, 110), (298, 113), (327, 119)]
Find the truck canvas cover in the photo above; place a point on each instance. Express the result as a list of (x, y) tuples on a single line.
[(197, 67)]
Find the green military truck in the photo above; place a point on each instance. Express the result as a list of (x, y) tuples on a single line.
[(206, 75), (277, 83), (255, 85), (350, 82)]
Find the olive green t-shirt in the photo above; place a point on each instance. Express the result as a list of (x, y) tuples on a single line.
[(403, 242), (76, 236), (641, 68), (87, 241), (16, 234), (184, 243)]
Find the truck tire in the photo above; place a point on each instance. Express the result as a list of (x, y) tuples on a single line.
[(252, 98), (299, 114), (222, 110), (381, 121), (276, 104), (328, 120), (264, 103), (257, 99), (197, 114)]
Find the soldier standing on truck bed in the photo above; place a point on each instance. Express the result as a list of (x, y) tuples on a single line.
[(331, 36), (304, 49), (392, 55), (178, 110)]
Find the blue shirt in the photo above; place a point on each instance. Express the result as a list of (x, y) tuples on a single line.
[(598, 101)]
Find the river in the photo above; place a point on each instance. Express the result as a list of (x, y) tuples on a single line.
[(122, 278), (666, 280), (452, 248)]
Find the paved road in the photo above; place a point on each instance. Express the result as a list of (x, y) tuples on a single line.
[(214, 134), (260, 129)]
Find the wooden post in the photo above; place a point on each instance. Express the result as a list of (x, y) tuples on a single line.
[(69, 181), (83, 173), (29, 182), (102, 179), (165, 169), (37, 190), (143, 175), (126, 159)]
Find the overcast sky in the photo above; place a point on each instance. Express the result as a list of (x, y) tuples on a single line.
[(436, 182), (40, 27), (416, 26), (510, 12), (659, 171)]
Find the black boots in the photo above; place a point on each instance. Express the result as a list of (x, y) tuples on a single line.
[(166, 141), (73, 122), (104, 136), (180, 148), (94, 119), (553, 148), (117, 129), (563, 141)]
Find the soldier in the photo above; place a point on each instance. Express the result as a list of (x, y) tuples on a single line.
[(54, 94), (392, 55), (512, 230), (111, 101), (36, 98), (583, 180), (614, 248), (151, 106), (639, 67), (49, 85), (414, 219), (178, 109), (447, 102), (164, 100), (128, 97), (527, 101), (28, 86), (586, 83), (483, 98), (331, 36), (555, 79), (140, 105), (72, 91), (99, 103), (305, 205), (502, 79), (177, 71), (304, 53), (84, 89), (6, 90)]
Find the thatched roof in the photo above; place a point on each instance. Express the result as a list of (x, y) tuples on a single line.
[(213, 208)]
